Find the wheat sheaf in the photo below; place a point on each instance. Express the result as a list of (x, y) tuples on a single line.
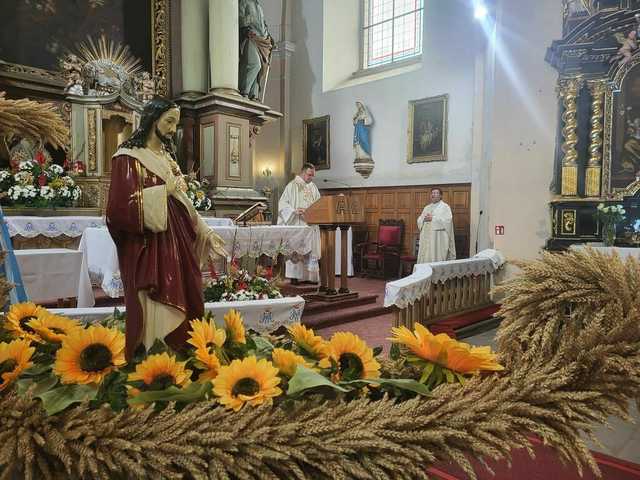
[(26, 118)]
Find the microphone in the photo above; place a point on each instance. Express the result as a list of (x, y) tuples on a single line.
[(478, 229)]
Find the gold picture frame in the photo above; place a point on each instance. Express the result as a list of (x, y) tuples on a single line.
[(160, 56), (428, 125), (316, 142)]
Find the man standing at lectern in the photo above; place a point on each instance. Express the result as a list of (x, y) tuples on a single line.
[(298, 195)]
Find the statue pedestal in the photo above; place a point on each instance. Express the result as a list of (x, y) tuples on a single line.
[(218, 129)]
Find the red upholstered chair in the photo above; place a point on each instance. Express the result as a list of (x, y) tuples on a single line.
[(382, 258), (409, 260)]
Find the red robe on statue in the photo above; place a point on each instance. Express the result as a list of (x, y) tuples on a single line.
[(164, 264)]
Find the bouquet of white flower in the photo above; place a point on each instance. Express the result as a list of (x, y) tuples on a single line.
[(36, 184), (610, 213), (609, 216)]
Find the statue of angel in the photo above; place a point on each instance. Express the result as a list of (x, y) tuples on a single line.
[(72, 68), (629, 45)]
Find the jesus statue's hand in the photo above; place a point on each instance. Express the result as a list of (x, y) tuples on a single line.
[(300, 211), (428, 217)]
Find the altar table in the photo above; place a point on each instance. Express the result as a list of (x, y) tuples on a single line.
[(55, 273), (32, 226), (263, 316)]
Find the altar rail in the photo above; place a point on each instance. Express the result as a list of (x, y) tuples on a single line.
[(435, 291)]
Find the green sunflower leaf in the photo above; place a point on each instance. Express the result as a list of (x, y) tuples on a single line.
[(112, 390), (263, 347), (42, 385), (426, 373), (305, 379), (377, 350), (36, 370), (449, 375), (401, 383), (56, 400), (192, 393), (158, 347), (394, 352), (460, 377)]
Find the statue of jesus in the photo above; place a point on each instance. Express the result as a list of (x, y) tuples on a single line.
[(161, 240)]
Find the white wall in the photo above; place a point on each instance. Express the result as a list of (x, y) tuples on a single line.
[(523, 126), (502, 118), (451, 40)]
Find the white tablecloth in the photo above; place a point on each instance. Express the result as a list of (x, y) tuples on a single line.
[(407, 290), (101, 257), (260, 315), (51, 226), (53, 273), (218, 222), (268, 240), (29, 226)]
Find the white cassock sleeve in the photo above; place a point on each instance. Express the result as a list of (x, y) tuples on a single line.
[(421, 218), (286, 209)]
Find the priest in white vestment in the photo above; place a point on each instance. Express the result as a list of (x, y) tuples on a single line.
[(437, 241), (298, 195)]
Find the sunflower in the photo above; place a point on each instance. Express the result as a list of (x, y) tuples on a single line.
[(19, 317), (308, 341), (443, 350), (205, 336), (53, 328), (248, 380), (87, 356), (212, 364), (352, 356), (287, 361), (161, 371), (235, 328), (14, 358)]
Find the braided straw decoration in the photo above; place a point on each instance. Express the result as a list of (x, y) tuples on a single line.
[(564, 375)]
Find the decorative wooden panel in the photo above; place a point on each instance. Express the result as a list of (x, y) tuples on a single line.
[(404, 200), (406, 203)]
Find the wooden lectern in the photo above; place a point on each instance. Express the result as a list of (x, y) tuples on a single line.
[(330, 213)]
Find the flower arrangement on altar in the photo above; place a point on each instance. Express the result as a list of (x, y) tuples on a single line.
[(37, 184), (62, 362), (196, 191), (609, 216), (240, 285)]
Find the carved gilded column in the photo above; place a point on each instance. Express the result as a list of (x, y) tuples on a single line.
[(568, 91), (594, 165)]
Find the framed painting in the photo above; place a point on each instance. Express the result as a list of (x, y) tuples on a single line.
[(427, 137), (35, 34), (316, 142), (625, 145)]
